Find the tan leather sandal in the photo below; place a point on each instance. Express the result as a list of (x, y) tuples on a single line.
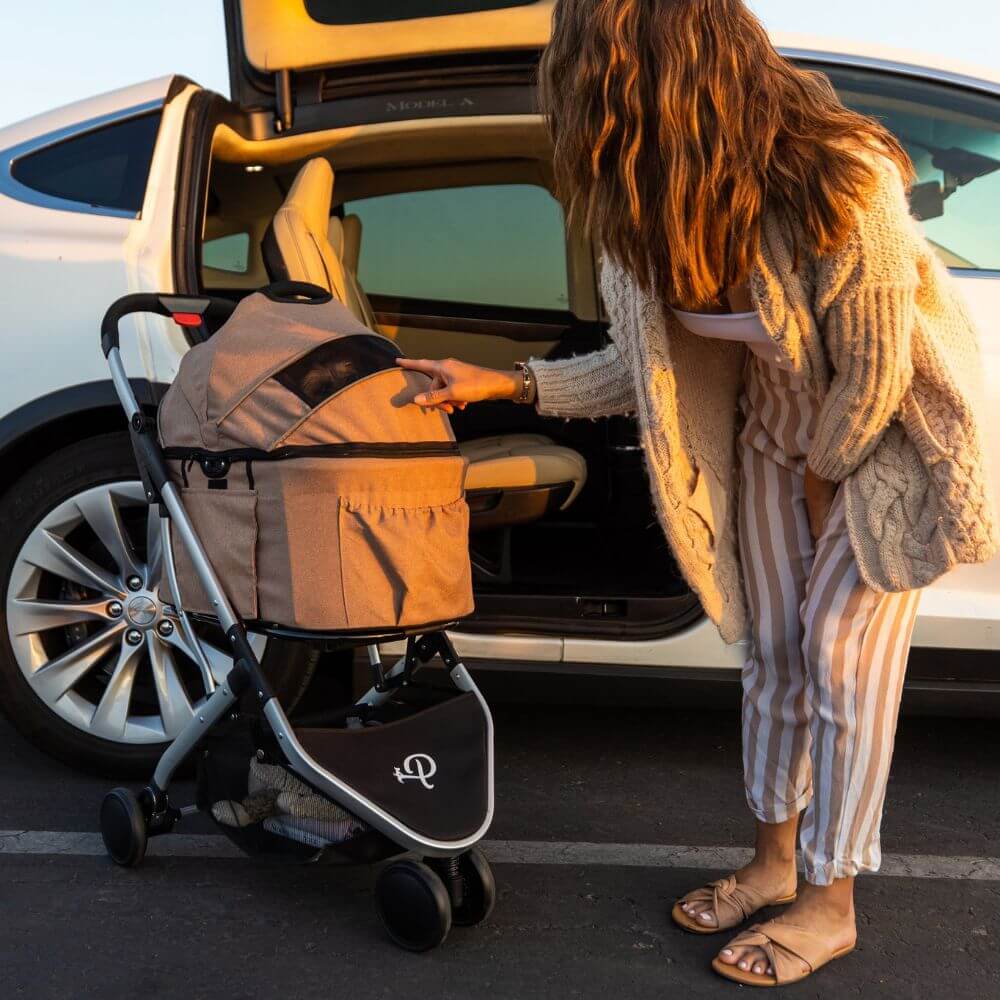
[(792, 953), (732, 903)]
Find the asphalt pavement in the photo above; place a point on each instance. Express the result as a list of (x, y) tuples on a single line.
[(587, 799)]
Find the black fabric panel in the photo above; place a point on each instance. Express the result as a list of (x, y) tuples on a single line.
[(334, 365), (453, 735)]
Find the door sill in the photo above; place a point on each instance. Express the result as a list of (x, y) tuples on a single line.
[(611, 617)]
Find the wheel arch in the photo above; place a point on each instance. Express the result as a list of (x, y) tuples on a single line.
[(64, 417)]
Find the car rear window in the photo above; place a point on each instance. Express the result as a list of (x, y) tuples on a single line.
[(373, 11), (105, 168), (953, 136)]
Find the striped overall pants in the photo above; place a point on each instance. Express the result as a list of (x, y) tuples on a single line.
[(823, 680)]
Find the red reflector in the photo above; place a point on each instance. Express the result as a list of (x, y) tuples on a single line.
[(187, 319)]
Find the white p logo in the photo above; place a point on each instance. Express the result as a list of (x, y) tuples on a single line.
[(417, 767)]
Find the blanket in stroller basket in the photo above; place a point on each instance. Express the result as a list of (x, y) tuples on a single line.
[(324, 498)]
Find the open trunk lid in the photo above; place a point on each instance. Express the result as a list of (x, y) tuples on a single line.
[(283, 53)]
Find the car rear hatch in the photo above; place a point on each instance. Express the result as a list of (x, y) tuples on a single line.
[(290, 56)]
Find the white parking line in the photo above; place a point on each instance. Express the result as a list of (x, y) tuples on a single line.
[(520, 852)]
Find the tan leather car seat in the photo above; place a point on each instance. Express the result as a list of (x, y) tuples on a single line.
[(512, 478)]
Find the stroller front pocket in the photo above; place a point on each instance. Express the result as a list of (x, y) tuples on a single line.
[(226, 521), (403, 565)]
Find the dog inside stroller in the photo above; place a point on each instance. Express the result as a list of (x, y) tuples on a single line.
[(301, 495)]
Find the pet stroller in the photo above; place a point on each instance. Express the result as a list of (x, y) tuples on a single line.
[(302, 496)]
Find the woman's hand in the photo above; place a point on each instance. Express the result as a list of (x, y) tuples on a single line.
[(819, 500), (455, 383)]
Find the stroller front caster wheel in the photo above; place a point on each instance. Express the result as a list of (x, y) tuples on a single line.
[(413, 905), (123, 827), (479, 889)]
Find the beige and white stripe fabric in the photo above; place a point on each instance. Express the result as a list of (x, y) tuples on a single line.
[(824, 677)]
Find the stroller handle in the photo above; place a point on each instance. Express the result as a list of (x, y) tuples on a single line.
[(186, 310)]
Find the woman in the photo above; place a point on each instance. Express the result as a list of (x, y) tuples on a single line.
[(786, 337)]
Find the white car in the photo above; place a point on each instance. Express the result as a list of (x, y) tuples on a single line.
[(425, 109)]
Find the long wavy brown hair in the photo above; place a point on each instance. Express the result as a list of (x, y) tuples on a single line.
[(677, 125)]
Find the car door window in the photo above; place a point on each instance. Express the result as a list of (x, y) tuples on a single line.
[(495, 244), (105, 168), (227, 253), (953, 137)]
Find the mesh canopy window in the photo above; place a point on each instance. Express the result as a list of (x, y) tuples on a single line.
[(333, 366)]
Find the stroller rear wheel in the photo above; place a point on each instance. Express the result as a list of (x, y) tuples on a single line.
[(123, 827), (413, 905), (479, 889)]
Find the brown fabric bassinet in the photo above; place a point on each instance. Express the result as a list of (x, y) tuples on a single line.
[(324, 499)]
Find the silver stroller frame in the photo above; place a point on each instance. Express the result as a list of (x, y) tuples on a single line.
[(246, 674)]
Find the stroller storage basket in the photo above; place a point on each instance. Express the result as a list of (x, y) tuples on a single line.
[(325, 499), (425, 765)]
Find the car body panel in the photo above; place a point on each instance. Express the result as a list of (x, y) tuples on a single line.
[(65, 262)]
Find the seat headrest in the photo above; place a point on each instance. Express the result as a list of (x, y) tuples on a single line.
[(295, 245), (311, 194), (335, 233), (352, 242)]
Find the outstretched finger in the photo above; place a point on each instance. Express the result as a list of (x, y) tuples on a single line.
[(418, 365), (433, 398)]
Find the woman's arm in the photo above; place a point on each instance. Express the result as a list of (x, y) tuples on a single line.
[(590, 385), (868, 342), (866, 306), (455, 384), (598, 384)]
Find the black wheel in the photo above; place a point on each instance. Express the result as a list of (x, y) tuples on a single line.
[(123, 827), (479, 889), (93, 669), (413, 905)]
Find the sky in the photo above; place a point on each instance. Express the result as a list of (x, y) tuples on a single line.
[(66, 50)]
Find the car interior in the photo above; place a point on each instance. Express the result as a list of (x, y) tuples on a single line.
[(451, 243)]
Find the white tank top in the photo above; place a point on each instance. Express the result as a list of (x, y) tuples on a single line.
[(744, 327)]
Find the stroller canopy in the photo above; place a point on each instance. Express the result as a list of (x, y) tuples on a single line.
[(285, 373)]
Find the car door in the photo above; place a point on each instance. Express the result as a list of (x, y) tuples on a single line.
[(291, 56)]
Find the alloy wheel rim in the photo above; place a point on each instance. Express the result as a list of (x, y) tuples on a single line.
[(89, 631)]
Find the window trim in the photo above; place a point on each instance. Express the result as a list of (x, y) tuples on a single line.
[(817, 58), (11, 187)]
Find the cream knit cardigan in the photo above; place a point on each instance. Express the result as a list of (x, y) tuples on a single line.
[(880, 334)]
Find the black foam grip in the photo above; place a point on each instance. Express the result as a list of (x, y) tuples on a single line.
[(128, 304), (161, 305)]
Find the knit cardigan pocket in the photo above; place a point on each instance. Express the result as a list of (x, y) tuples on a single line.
[(868, 339)]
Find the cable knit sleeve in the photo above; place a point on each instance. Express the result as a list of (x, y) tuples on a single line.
[(590, 385), (599, 384), (868, 342), (866, 309)]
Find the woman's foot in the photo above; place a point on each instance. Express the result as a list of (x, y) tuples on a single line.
[(770, 879), (827, 911)]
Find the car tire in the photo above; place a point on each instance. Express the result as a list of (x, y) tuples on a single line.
[(77, 478)]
